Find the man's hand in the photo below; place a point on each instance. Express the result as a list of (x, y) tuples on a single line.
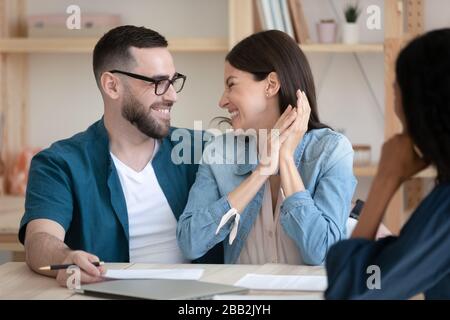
[(44, 246), (88, 272)]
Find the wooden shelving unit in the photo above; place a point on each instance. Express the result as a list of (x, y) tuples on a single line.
[(86, 45), (371, 171), (343, 48), (11, 211)]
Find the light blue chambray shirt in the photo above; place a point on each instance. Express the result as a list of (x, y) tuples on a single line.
[(315, 218)]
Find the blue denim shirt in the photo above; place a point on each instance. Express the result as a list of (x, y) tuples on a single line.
[(315, 218)]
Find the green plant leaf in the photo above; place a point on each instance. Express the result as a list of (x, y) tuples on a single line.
[(352, 12)]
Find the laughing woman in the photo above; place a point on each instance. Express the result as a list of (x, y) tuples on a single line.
[(292, 204)]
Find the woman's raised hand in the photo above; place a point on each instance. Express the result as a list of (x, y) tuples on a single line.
[(270, 144)]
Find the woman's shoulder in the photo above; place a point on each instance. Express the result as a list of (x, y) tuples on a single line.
[(326, 142), (327, 136)]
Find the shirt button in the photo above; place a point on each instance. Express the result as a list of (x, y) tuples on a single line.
[(270, 234)]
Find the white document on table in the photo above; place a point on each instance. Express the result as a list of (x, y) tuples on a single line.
[(282, 282), (177, 274)]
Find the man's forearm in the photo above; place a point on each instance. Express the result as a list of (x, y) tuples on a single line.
[(43, 249)]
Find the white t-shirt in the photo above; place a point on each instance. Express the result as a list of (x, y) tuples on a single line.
[(152, 225)]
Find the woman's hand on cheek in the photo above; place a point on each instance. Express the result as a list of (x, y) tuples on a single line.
[(298, 128), (399, 160)]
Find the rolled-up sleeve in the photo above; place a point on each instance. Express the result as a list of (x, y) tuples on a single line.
[(316, 221), (49, 192)]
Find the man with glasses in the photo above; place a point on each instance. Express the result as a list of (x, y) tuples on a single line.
[(112, 192)]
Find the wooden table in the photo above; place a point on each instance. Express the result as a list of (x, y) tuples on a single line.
[(11, 211), (17, 281)]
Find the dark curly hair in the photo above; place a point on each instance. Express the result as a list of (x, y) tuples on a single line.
[(423, 75), (112, 51)]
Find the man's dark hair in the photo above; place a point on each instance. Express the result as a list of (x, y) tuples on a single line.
[(112, 51)]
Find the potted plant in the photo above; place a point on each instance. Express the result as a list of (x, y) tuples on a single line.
[(326, 31), (350, 31)]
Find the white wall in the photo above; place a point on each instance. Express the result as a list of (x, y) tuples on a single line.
[(4, 257), (64, 98)]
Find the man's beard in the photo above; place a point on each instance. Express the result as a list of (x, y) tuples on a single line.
[(140, 116)]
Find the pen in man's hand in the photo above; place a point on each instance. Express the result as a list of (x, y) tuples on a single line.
[(65, 266)]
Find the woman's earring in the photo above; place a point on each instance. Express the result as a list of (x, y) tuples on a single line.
[(267, 94)]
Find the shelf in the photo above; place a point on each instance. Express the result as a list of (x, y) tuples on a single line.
[(11, 211), (371, 170), (365, 171), (86, 45), (342, 48)]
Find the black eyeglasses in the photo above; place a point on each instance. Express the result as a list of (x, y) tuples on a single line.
[(161, 85)]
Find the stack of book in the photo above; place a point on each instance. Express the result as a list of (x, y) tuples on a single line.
[(283, 15)]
